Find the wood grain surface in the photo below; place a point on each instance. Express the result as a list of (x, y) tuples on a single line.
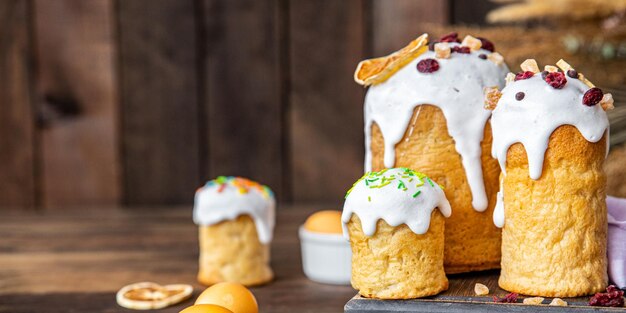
[(398, 24), (159, 100), (76, 99), (139, 102), (75, 261), (327, 156), (242, 105), (17, 127)]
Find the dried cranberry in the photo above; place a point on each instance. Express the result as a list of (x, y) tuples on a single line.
[(572, 73), (592, 96), (482, 56), (431, 46), (556, 80), (460, 49), (544, 74), (612, 297), (427, 66), (486, 44), (510, 298), (451, 37), (519, 96), (524, 75)]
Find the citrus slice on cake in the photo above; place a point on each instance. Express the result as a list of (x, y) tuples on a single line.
[(375, 71)]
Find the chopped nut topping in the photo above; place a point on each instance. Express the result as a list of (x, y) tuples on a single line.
[(492, 95), (607, 102), (564, 66), (472, 42), (530, 65), (533, 300), (551, 68), (481, 290), (496, 58), (583, 79), (558, 302), (510, 77), (442, 50)]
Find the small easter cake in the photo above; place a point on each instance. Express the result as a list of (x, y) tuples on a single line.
[(236, 218), (550, 133), (396, 234), (424, 109)]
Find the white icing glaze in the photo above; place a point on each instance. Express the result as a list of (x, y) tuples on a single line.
[(532, 120), (457, 89), (498, 211), (394, 205), (218, 202)]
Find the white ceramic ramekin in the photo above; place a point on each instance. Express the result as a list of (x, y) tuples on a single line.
[(326, 258)]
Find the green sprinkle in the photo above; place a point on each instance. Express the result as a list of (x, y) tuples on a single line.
[(417, 193), (401, 185), (369, 199), (430, 182)]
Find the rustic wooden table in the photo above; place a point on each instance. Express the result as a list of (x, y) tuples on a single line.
[(75, 261)]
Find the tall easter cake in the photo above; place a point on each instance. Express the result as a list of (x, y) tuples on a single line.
[(550, 133), (424, 109)]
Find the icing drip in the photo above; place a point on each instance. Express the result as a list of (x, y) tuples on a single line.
[(227, 198), (532, 120), (457, 89), (397, 196), (498, 211)]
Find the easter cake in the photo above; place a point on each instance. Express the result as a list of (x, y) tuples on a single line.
[(424, 109), (550, 132), (236, 219)]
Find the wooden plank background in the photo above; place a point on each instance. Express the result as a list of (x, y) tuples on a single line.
[(138, 102)]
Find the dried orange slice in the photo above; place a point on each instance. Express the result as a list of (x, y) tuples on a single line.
[(375, 71), (148, 295)]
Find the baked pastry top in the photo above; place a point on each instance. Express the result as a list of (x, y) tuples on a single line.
[(451, 77), (397, 196), (534, 104), (226, 198)]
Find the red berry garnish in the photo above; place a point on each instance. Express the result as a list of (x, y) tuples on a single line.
[(431, 46), (524, 75), (510, 298), (427, 66), (593, 96), (451, 37), (612, 297), (460, 49), (556, 80), (486, 44)]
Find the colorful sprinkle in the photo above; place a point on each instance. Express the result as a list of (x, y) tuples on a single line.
[(242, 185)]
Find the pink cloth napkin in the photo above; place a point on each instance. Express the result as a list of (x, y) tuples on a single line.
[(617, 240)]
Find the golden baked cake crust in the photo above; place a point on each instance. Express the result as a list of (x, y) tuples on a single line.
[(554, 236), (472, 242), (396, 263), (231, 251)]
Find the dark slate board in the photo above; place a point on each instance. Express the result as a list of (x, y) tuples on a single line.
[(460, 297)]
